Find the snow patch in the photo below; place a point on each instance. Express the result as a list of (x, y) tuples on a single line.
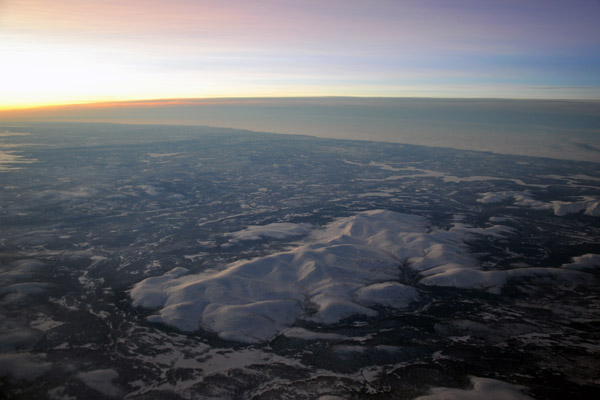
[(66, 195), (497, 197), (279, 230), (392, 294), (494, 281), (24, 366), (101, 380), (254, 300), (483, 388), (588, 204), (29, 288), (20, 269), (149, 190), (341, 270), (157, 155), (17, 337), (586, 261)]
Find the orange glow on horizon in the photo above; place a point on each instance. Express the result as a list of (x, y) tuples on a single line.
[(112, 53), (167, 102)]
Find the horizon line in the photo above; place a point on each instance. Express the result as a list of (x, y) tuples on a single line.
[(184, 100)]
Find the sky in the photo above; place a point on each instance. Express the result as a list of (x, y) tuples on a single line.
[(78, 51)]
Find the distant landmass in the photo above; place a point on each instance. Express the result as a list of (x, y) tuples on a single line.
[(563, 129)]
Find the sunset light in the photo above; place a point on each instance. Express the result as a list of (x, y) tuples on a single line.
[(88, 51), (299, 199)]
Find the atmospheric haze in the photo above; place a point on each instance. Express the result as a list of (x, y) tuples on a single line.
[(546, 128)]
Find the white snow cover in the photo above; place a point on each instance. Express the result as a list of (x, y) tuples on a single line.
[(23, 365), (586, 261), (392, 294), (279, 230), (483, 388), (26, 288), (341, 270), (102, 381), (20, 269), (496, 197), (493, 281), (588, 204)]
